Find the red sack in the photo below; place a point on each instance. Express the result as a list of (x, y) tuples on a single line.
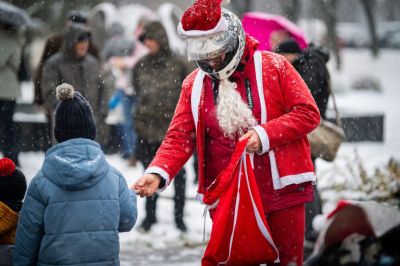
[(240, 234)]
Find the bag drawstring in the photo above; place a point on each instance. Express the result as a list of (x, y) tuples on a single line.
[(206, 208)]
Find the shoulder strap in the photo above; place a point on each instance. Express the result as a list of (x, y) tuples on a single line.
[(338, 120)]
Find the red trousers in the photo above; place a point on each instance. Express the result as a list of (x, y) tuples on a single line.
[(287, 229)]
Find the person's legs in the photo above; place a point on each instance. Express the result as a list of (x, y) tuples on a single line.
[(287, 229), (150, 219), (313, 208), (146, 152), (7, 109), (129, 137), (179, 199)]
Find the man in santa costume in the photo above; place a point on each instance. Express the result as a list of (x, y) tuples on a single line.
[(238, 92)]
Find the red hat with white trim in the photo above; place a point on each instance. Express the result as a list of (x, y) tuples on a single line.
[(211, 31)]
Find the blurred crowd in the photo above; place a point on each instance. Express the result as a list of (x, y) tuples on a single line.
[(132, 81)]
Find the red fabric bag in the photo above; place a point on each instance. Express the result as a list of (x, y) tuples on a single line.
[(240, 234)]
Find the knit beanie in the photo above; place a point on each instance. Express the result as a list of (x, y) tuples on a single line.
[(12, 181), (73, 116), (288, 46)]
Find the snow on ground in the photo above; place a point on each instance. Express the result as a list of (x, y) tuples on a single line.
[(356, 64), (165, 245)]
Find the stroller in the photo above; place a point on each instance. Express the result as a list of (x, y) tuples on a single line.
[(359, 233)]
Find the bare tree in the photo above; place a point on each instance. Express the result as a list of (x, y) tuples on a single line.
[(369, 6), (328, 11), (241, 6), (291, 9)]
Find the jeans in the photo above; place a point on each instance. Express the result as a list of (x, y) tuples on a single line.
[(126, 129), (8, 129)]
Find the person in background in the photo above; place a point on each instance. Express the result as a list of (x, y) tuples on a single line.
[(53, 45), (311, 65), (117, 57), (225, 100), (277, 37), (157, 79), (77, 203), (73, 64), (12, 192), (10, 58)]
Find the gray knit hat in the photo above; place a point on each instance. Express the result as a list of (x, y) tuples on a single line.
[(74, 116)]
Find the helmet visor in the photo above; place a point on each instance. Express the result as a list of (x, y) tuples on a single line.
[(208, 47)]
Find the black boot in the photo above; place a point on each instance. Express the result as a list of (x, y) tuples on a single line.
[(180, 224), (148, 223), (150, 213)]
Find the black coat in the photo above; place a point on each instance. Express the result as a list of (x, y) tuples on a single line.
[(311, 65)]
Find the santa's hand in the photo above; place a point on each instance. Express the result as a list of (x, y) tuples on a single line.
[(254, 143), (147, 185)]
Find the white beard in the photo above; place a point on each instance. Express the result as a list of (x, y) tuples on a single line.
[(233, 114)]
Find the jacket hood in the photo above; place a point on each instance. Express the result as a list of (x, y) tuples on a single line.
[(155, 30), (72, 35), (75, 164)]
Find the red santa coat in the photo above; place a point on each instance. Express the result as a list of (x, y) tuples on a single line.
[(287, 114)]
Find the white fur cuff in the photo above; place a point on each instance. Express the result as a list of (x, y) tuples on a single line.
[(262, 134), (161, 172)]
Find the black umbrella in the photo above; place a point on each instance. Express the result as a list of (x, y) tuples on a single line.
[(12, 15)]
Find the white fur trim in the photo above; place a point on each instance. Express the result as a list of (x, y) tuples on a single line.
[(161, 172), (221, 26), (195, 97), (274, 171), (297, 179), (260, 86), (281, 182), (319, 222), (262, 134)]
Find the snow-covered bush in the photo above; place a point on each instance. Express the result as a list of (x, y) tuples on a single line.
[(354, 182), (367, 83)]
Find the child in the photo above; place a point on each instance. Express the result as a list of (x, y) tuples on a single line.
[(77, 203), (12, 191)]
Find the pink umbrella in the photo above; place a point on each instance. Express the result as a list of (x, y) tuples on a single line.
[(267, 28)]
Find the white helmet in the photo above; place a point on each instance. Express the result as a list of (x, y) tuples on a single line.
[(229, 41)]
